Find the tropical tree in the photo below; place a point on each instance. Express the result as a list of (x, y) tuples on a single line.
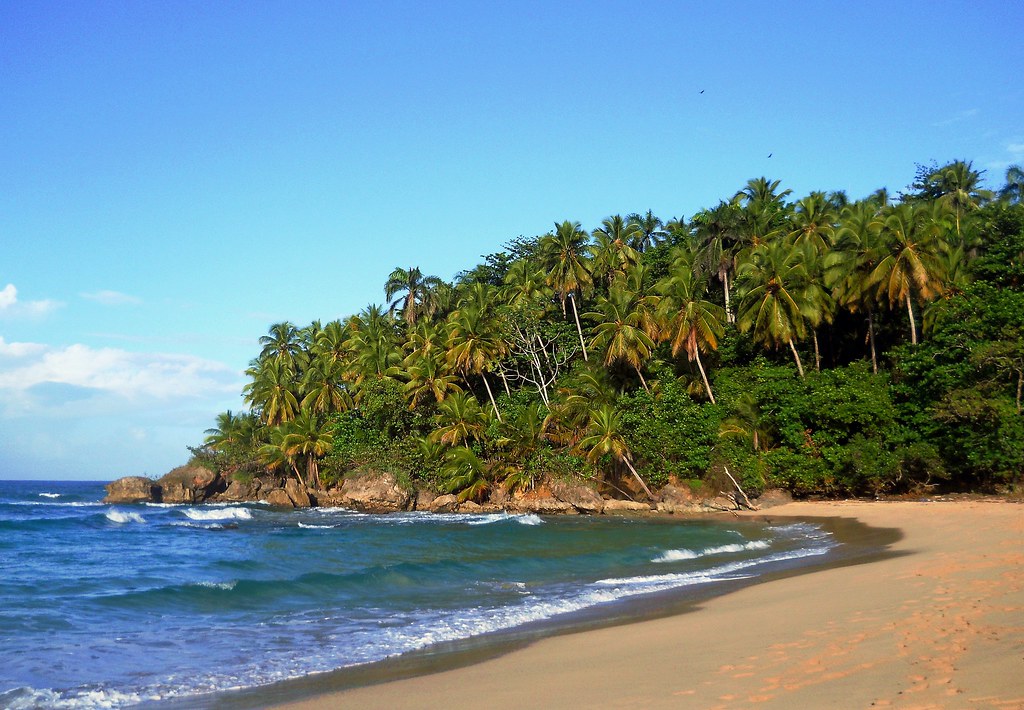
[(909, 264), (649, 230), (1013, 190), (716, 231), (373, 342), (283, 344), (272, 390), (620, 334), (232, 430), (692, 323), (604, 438), (612, 252), (474, 344), (307, 439), (958, 186), (464, 473), (323, 386), (418, 289), (429, 377), (848, 266), (458, 420), (770, 284), (563, 257)]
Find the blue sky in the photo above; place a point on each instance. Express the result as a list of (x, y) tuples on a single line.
[(176, 176)]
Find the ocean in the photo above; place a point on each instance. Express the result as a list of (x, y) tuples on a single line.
[(110, 606)]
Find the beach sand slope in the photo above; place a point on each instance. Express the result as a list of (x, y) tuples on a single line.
[(941, 626)]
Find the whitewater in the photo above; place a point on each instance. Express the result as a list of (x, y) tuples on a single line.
[(111, 606)]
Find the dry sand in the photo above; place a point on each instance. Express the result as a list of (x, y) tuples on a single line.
[(940, 627)]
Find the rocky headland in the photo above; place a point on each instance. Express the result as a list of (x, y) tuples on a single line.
[(374, 492)]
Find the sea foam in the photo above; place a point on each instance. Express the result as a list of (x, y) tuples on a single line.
[(120, 517), (219, 514), (684, 554)]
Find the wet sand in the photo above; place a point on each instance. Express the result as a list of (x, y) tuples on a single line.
[(940, 625)]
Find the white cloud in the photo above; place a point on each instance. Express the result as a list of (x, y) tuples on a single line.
[(19, 349), (8, 296), (112, 298), (119, 373), (10, 305)]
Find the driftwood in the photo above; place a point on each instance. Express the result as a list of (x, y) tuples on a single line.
[(739, 490)]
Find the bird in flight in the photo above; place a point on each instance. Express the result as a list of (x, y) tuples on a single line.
[(702, 91), (769, 155)]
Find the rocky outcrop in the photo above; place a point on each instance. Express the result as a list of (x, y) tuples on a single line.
[(583, 498), (297, 493), (190, 484), (444, 504), (375, 494), (628, 507), (675, 500), (238, 492), (133, 489), (773, 497), (279, 498)]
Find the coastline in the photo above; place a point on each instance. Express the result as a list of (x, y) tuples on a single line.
[(935, 625)]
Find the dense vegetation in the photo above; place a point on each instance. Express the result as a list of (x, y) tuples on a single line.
[(820, 345)]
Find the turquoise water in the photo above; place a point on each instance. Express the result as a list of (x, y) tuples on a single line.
[(107, 606)]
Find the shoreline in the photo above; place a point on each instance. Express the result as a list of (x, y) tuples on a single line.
[(930, 624)]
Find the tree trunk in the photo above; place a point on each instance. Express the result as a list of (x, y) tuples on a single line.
[(489, 394), (501, 373), (1020, 386), (913, 326), (725, 281), (871, 340), (650, 496), (642, 380), (576, 315), (313, 473), (817, 353), (796, 356), (703, 375)]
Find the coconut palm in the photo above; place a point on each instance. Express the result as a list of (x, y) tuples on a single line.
[(849, 265), (323, 387), (563, 257), (1013, 190), (284, 345), (612, 252), (418, 289), (909, 265), (604, 437), (525, 283), (958, 187), (474, 344), (716, 231), (620, 332), (813, 220), (272, 390), (691, 323), (464, 473), (373, 342), (231, 430), (429, 378), (307, 439), (458, 420), (649, 230), (770, 284)]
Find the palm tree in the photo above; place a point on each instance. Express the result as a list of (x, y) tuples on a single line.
[(716, 235), (909, 265), (474, 344), (770, 285), (813, 221), (849, 265), (323, 387), (563, 257), (1013, 191), (271, 391), (748, 422), (458, 419), (958, 187), (604, 437), (373, 341), (308, 439), (418, 291), (620, 332), (283, 344), (525, 283), (428, 377), (231, 430), (465, 473), (649, 230), (691, 322), (612, 252)]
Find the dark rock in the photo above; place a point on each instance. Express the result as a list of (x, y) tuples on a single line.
[(627, 507), (376, 494), (423, 499), (444, 504), (133, 489), (278, 497), (239, 492), (583, 498), (190, 484), (298, 494), (542, 506)]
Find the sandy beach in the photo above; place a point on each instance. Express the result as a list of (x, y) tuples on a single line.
[(938, 625)]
